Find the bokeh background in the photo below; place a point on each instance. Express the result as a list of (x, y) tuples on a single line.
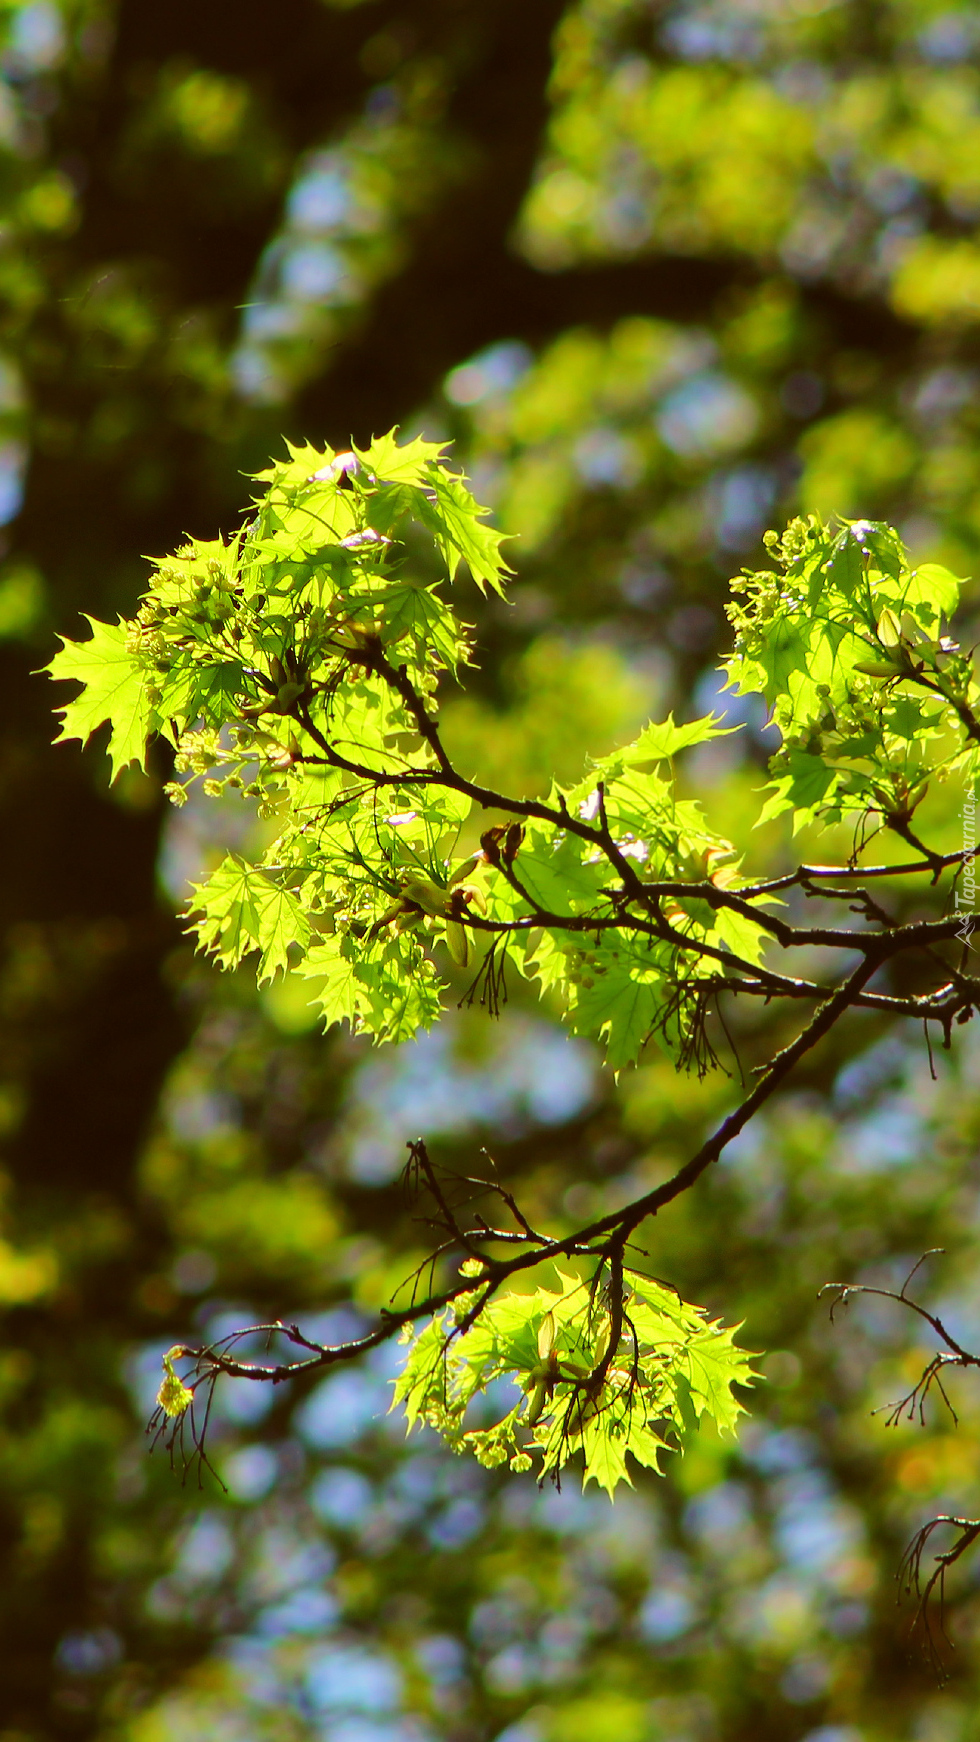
[(664, 273)]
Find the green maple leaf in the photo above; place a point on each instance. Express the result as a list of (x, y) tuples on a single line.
[(459, 526), (645, 1445), (424, 1366), (605, 1454), (658, 1313), (807, 784), (934, 587), (696, 1356), (621, 1006), (331, 962), (418, 612), (740, 935), (114, 690), (714, 1365), (660, 740), (388, 990), (404, 994), (242, 909), (556, 872), (400, 463)]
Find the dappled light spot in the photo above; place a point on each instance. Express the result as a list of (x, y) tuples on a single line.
[(491, 372), (707, 415), (347, 1678), (340, 1409), (250, 1471)]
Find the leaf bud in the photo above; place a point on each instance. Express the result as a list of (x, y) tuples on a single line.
[(467, 895), (889, 629), (876, 668), (424, 893), (457, 943), (490, 841), (535, 1408), (287, 694), (512, 841), (463, 871)]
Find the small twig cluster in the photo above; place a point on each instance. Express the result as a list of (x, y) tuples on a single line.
[(926, 1588)]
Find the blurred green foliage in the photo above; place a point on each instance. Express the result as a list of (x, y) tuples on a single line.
[(664, 276)]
